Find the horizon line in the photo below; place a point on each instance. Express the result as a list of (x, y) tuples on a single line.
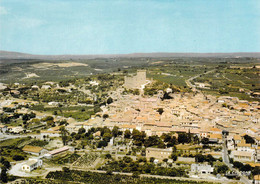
[(132, 53)]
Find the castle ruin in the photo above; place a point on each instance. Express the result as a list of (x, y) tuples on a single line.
[(135, 81)]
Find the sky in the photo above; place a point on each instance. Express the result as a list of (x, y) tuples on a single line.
[(129, 26)]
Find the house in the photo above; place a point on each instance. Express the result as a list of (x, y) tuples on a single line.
[(31, 164), (3, 128), (49, 133), (202, 85), (3, 86), (59, 151), (251, 131), (257, 159), (46, 87), (237, 139), (201, 169), (35, 87), (53, 103), (242, 156), (158, 153), (243, 146), (256, 179), (215, 138), (15, 130), (215, 131), (35, 150)]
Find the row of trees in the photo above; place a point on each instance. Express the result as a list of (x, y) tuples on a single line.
[(142, 166), (139, 137)]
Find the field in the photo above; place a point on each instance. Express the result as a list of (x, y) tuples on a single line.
[(80, 113), (86, 160), (89, 177), (233, 76)]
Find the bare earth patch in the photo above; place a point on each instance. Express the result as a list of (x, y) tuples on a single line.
[(63, 65), (30, 75)]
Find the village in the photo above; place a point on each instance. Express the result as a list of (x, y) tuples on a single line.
[(198, 135)]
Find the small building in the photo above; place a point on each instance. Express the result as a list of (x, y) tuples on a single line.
[(31, 164), (186, 159), (237, 139), (201, 169), (15, 130), (243, 146), (256, 179), (49, 133), (46, 87), (215, 138), (243, 156), (59, 151), (3, 128), (35, 87), (158, 153), (34, 150)]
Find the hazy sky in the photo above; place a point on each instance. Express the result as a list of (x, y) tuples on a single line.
[(129, 26)]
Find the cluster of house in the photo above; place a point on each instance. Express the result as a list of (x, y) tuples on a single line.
[(34, 163)]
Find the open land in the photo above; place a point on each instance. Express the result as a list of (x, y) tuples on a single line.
[(130, 119)]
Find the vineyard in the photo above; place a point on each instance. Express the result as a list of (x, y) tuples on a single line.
[(86, 160), (69, 158), (93, 178)]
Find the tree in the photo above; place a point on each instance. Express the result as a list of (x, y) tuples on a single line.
[(246, 167), (4, 177), (109, 172), (222, 169), (18, 157), (108, 156), (127, 159), (109, 100), (138, 137), (172, 142), (105, 116), (199, 158), (166, 96), (165, 160), (238, 165), (154, 141), (127, 134), (107, 136), (196, 139), (81, 130), (115, 131), (184, 138), (135, 174), (160, 111), (66, 169), (249, 139), (101, 144), (166, 137), (5, 163), (64, 135), (152, 159), (174, 156), (205, 140)]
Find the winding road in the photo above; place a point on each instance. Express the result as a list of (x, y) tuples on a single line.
[(188, 81)]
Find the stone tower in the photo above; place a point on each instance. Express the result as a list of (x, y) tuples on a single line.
[(134, 82)]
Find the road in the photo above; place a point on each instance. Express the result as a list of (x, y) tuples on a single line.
[(226, 161), (188, 81), (9, 136)]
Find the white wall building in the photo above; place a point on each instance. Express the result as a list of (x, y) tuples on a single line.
[(31, 164), (201, 168)]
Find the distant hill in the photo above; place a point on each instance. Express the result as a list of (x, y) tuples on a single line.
[(17, 55)]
